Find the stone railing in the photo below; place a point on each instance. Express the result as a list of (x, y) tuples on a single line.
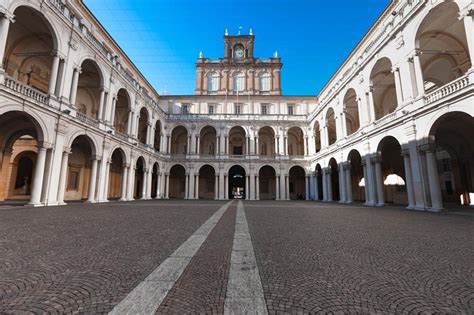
[(86, 119), (230, 117), (385, 119), (142, 145), (121, 136), (26, 90), (447, 89)]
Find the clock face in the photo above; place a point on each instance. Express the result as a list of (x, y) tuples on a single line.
[(239, 52)]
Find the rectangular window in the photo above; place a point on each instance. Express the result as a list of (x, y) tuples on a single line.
[(185, 109), (238, 109), (264, 109), (291, 109), (210, 109)]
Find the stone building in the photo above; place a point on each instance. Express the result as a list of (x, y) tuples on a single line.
[(394, 124)]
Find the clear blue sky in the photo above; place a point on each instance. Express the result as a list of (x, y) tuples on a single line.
[(164, 37)]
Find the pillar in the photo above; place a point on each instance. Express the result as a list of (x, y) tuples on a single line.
[(366, 183), (167, 186), (5, 21), (257, 149), (468, 20), (92, 181), (287, 187), (62, 177), (148, 184), (112, 113), (342, 183), (329, 184), (158, 186), (370, 105), (418, 73), (186, 187), (54, 75), (277, 188), (257, 186), (107, 180), (101, 105), (216, 187), (398, 86), (307, 185), (75, 81), (408, 179), (226, 187), (123, 188), (379, 181), (349, 198), (316, 186), (129, 121), (144, 183), (38, 177), (196, 186), (325, 185), (433, 178)]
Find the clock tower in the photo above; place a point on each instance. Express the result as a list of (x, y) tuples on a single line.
[(238, 72)]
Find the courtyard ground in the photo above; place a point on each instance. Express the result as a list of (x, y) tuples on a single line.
[(216, 257)]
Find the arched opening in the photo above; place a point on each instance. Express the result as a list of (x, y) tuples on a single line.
[(207, 139), (158, 133), (140, 179), (441, 40), (179, 140), (117, 186), (177, 182), (237, 141), (207, 182), (351, 110), (89, 89), (297, 183), (80, 164), (143, 126), (331, 126), (19, 137), (154, 180), (266, 141), (393, 171), (453, 137), (319, 182), (334, 180), (267, 182), (384, 91), (122, 108), (295, 142), (356, 177), (237, 182), (317, 137), (29, 49)]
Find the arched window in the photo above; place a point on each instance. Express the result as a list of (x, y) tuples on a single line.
[(213, 82), (239, 82), (265, 82)]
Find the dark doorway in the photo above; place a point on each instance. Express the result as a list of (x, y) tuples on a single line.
[(237, 189)]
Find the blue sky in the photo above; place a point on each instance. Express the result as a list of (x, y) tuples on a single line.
[(164, 37)]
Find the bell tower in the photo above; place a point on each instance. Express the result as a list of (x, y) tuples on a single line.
[(238, 72)]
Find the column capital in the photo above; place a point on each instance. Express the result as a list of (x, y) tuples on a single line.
[(376, 158), (67, 151), (5, 14), (428, 147), (405, 153), (96, 158)]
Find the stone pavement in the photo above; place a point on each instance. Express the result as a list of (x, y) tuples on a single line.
[(306, 257)]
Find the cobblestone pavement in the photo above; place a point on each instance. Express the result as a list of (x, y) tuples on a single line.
[(202, 286), (336, 258), (312, 257), (87, 258)]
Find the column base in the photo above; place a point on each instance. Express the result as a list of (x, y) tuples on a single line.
[(418, 208), (90, 201), (370, 204), (380, 205), (103, 201), (35, 205), (435, 209)]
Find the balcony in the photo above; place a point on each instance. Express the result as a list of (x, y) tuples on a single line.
[(447, 90), (26, 90)]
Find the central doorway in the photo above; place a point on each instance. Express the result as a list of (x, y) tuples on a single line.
[(237, 189)]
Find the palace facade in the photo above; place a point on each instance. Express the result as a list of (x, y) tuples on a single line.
[(79, 122)]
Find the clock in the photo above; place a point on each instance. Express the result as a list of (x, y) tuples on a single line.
[(239, 52)]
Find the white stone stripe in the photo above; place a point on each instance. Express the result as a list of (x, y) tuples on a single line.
[(244, 289), (150, 293)]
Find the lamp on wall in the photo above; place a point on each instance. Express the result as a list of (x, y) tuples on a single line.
[(66, 111)]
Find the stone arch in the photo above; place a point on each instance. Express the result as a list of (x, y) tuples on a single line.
[(442, 43), (237, 141), (207, 182), (89, 88), (177, 182), (158, 135), (143, 122), (351, 110), (297, 182), (155, 171), (356, 177), (117, 175), (267, 183), (334, 178), (266, 141), (208, 140), (317, 136), (123, 106), (139, 181), (296, 143), (318, 174), (382, 81), (331, 126), (179, 140), (31, 43), (237, 182)]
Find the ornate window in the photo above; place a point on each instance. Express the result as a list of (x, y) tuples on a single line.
[(264, 82), (239, 82), (213, 82)]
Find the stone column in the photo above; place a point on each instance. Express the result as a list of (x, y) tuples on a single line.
[(186, 187), (398, 86), (329, 179), (101, 105), (129, 122), (307, 184), (370, 182), (257, 149), (366, 183), (148, 134), (92, 180), (167, 186), (196, 186), (198, 145), (287, 187), (379, 181), (38, 177), (123, 188), (420, 84), (325, 185), (107, 180), (285, 145), (5, 21), (168, 146), (433, 178), (158, 186), (468, 19), (349, 198), (144, 183), (370, 105), (226, 187), (112, 113), (216, 187), (408, 179), (63, 176), (249, 193), (316, 186), (75, 81), (54, 75), (277, 188), (149, 182), (188, 144), (257, 186), (342, 183)]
